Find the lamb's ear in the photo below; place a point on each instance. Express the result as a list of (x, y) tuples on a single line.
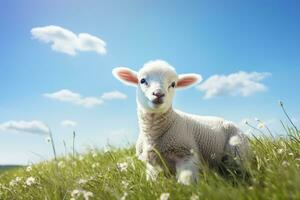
[(126, 75), (188, 80)]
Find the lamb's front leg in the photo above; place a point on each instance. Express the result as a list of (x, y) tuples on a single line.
[(187, 169)]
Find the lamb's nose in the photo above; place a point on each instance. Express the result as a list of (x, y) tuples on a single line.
[(158, 94)]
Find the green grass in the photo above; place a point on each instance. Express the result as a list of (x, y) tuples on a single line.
[(117, 174), (275, 174)]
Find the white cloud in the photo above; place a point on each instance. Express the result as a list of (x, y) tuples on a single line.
[(75, 98), (240, 83), (68, 123), (36, 127), (65, 41), (113, 95)]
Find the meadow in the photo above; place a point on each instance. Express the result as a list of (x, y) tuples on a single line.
[(113, 173)]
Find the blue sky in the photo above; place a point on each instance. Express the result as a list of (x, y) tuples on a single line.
[(205, 37)]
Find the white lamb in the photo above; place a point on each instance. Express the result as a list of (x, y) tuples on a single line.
[(171, 140)]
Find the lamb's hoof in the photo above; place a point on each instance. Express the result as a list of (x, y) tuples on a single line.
[(186, 177)]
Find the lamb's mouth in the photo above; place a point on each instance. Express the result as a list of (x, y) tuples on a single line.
[(157, 101)]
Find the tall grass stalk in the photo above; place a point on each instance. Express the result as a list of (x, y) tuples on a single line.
[(288, 117), (254, 128), (52, 143), (73, 144), (65, 147)]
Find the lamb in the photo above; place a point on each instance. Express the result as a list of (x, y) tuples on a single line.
[(173, 141)]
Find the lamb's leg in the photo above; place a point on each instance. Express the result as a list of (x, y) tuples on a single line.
[(237, 156), (238, 149), (152, 172), (187, 170), (237, 146), (139, 148)]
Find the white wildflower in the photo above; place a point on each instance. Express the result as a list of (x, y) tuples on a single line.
[(297, 159), (261, 125), (194, 197), (291, 154), (122, 166), (80, 158), (164, 196), (235, 140), (94, 154), (280, 151), (82, 181), (30, 181), (15, 181), (87, 195), (61, 164), (285, 163), (124, 196), (18, 179), (95, 165), (75, 194), (106, 149), (125, 184), (29, 168)]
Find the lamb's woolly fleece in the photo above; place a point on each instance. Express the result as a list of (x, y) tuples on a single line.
[(177, 135)]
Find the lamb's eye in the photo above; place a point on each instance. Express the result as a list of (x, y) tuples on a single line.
[(143, 81), (173, 84)]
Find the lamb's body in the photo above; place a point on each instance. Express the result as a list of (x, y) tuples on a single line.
[(181, 141), (177, 135)]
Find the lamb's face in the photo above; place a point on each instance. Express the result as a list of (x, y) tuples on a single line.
[(156, 86), (156, 83)]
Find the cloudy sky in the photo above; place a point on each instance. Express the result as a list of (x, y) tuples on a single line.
[(57, 57)]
